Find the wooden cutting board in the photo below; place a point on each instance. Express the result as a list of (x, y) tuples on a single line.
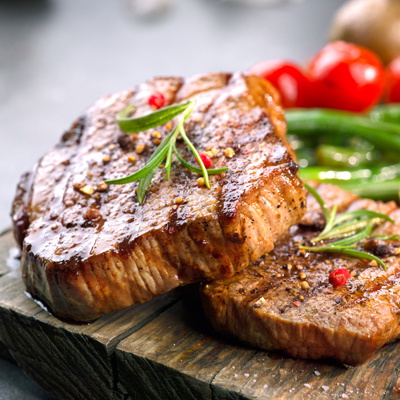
[(165, 349)]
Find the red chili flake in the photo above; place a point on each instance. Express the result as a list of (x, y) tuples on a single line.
[(339, 277), (157, 100), (297, 303), (206, 160)]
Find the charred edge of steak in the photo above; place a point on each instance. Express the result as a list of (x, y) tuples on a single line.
[(19, 212), (20, 208), (74, 134)]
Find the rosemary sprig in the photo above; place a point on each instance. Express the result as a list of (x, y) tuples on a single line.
[(166, 147), (351, 226), (345, 224)]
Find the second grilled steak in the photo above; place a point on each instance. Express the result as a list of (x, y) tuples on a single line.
[(86, 254), (266, 306)]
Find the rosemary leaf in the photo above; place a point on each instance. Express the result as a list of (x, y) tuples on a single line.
[(196, 154), (363, 254), (144, 183), (329, 223), (168, 163), (387, 237), (153, 163), (188, 111), (195, 169), (321, 202), (361, 213), (345, 250), (345, 229), (357, 237), (157, 118)]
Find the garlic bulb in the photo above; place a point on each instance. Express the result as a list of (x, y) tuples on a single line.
[(374, 24)]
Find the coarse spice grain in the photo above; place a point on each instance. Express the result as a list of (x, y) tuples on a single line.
[(101, 186), (201, 182), (229, 152), (304, 285), (131, 158), (78, 185), (157, 134), (373, 263), (88, 189), (139, 148)]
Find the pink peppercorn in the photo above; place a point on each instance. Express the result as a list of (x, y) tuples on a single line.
[(157, 100), (206, 160), (339, 277)]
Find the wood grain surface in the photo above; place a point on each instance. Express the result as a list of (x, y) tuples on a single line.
[(165, 349)]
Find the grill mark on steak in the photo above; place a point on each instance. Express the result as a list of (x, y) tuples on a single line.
[(262, 304), (86, 255)]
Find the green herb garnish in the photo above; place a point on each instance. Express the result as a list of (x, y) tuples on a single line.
[(351, 226), (387, 237), (166, 147)]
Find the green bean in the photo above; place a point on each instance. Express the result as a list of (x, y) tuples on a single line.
[(386, 113), (344, 157), (364, 187), (330, 175), (388, 190), (306, 157), (372, 174), (384, 136), (300, 143)]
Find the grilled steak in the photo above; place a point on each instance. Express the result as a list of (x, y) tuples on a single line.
[(89, 254), (266, 306)]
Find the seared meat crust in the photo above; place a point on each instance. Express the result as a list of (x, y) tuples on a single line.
[(266, 306), (89, 254)]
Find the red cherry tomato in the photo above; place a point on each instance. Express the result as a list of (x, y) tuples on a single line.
[(287, 77), (346, 77), (393, 74)]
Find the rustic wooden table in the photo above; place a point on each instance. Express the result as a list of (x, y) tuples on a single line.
[(57, 57)]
